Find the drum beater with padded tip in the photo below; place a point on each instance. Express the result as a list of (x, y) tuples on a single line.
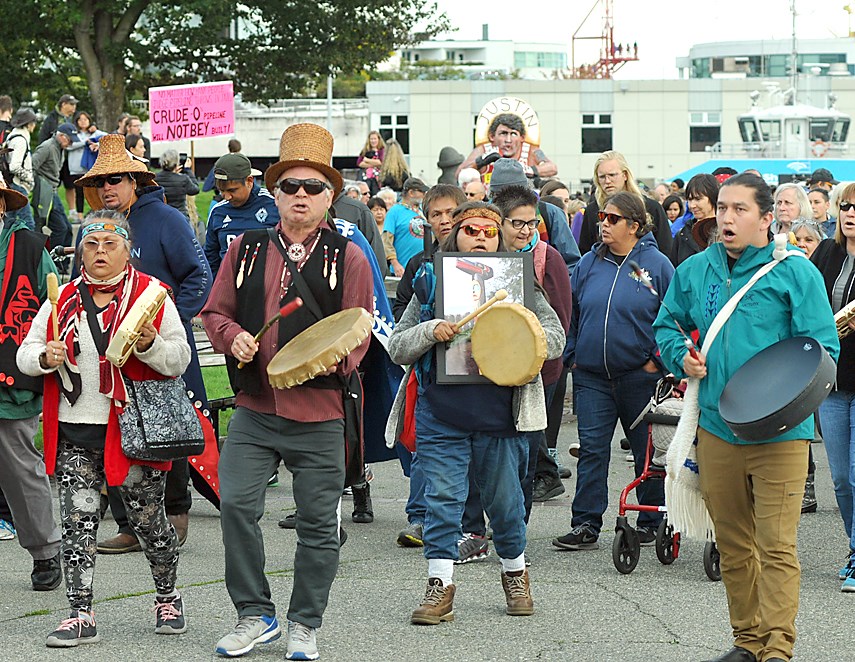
[(284, 311)]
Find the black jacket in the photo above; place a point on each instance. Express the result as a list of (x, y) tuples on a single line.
[(589, 234), (829, 257), (683, 245), (176, 187)]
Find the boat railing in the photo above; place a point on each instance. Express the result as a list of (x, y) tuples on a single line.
[(776, 150)]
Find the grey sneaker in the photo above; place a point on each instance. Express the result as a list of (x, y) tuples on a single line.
[(411, 536), (472, 548), (79, 628), (301, 642), (249, 631)]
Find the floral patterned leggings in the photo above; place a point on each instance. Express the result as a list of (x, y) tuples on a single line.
[(80, 477)]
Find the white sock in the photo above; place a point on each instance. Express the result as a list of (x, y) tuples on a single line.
[(514, 565), (172, 594), (338, 512), (443, 569)]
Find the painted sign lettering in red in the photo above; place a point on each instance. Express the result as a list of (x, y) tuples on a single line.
[(192, 112)]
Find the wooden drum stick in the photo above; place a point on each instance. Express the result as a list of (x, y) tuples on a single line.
[(498, 296), (284, 311), (53, 297)]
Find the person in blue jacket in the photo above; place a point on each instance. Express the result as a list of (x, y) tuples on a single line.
[(245, 206), (164, 246), (753, 491), (612, 353)]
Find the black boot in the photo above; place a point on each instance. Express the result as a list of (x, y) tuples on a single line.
[(363, 511), (809, 500), (47, 574)]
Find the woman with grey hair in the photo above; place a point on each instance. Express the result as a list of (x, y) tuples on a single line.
[(808, 234), (791, 203), (83, 397), (177, 180)]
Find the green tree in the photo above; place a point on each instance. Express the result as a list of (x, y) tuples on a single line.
[(269, 48)]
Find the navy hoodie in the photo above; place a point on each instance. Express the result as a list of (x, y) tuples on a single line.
[(611, 327)]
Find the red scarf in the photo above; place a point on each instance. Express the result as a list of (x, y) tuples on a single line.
[(109, 319)]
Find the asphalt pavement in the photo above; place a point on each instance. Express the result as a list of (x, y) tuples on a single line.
[(585, 609)]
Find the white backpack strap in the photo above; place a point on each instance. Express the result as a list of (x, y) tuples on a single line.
[(779, 254)]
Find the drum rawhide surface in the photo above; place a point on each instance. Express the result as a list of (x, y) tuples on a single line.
[(317, 349), (143, 311), (508, 344)]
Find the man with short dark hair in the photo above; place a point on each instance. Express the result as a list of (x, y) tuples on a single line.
[(246, 205), (5, 116), (133, 127), (47, 163), (507, 141), (61, 114), (403, 231), (820, 204)]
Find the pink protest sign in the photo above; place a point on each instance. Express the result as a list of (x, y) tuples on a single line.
[(191, 112)]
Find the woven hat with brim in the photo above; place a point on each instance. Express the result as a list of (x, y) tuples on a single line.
[(309, 145), (13, 199), (701, 231), (113, 159)]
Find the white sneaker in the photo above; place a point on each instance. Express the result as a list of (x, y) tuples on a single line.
[(250, 630), (301, 642), (7, 531)]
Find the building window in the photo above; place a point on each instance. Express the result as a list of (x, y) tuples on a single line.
[(704, 130), (539, 59), (596, 133), (701, 137), (397, 127)]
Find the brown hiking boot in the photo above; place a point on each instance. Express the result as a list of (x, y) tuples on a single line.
[(518, 593), (437, 605), (121, 543), (180, 523)]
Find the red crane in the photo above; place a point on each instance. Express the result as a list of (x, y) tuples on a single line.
[(612, 56)]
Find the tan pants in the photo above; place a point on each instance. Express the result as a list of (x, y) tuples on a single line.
[(754, 495)]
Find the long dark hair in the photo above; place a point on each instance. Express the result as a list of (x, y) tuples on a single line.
[(762, 193)]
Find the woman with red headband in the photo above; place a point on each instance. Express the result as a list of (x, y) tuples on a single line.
[(471, 427)]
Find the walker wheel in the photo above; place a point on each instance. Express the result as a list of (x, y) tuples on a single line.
[(712, 562), (666, 545), (625, 550)]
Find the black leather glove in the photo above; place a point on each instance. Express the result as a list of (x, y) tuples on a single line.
[(487, 159)]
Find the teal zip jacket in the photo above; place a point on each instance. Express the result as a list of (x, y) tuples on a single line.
[(789, 301)]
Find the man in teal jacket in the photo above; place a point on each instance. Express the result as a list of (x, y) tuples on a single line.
[(753, 491)]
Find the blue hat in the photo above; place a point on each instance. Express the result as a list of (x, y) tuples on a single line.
[(69, 131)]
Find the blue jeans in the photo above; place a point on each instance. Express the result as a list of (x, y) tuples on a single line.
[(600, 404), (416, 506), (499, 464), (25, 213), (837, 415)]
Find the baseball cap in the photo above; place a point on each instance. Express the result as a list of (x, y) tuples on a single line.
[(68, 98), (822, 175), (69, 131), (507, 172), (234, 166)]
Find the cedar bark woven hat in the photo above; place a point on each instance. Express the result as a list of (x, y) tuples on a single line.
[(12, 198), (308, 145), (113, 159)]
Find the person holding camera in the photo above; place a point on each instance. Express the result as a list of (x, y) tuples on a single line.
[(177, 180)]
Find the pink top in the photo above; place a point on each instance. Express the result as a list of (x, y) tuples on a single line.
[(302, 403)]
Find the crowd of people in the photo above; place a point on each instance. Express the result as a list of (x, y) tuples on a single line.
[(299, 230)]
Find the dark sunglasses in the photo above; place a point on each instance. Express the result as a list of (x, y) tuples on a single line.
[(489, 231), (112, 180), (612, 218), (290, 185), (846, 206), (519, 225)]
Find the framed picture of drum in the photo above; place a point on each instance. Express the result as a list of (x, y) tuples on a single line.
[(464, 282)]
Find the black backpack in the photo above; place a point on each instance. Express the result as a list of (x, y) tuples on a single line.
[(6, 154)]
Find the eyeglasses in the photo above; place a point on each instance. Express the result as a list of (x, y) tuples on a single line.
[(608, 175), (471, 194), (846, 206), (112, 180), (612, 218), (519, 225), (92, 246), (489, 231), (290, 185)]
